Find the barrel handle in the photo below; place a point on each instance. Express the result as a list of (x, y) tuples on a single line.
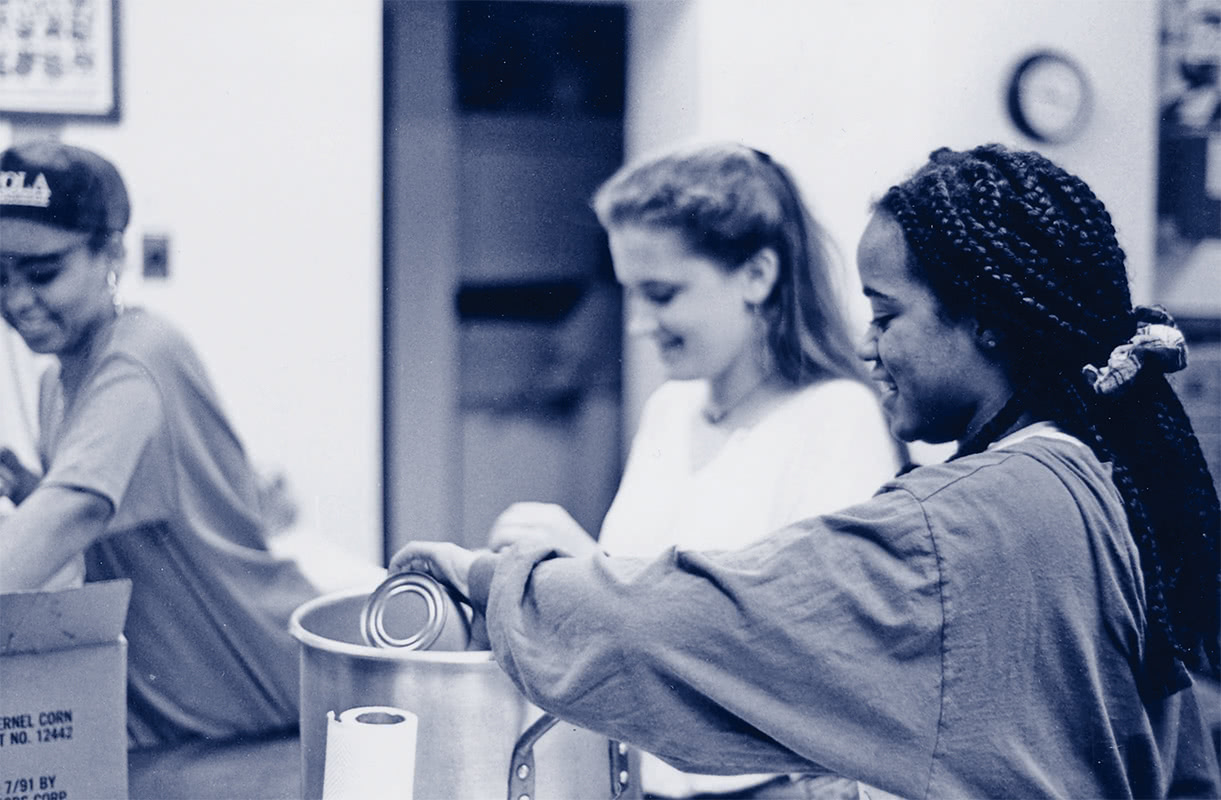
[(521, 767), (620, 775)]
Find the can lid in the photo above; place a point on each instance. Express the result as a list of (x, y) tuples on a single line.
[(372, 615)]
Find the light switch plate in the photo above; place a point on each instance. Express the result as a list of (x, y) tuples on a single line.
[(156, 256)]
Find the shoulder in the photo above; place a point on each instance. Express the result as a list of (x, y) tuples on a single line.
[(837, 395), (674, 399), (150, 340), (988, 471), (1038, 459), (142, 330), (1035, 486), (837, 410)]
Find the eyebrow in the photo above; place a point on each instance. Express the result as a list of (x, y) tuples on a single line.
[(26, 262), (871, 292)]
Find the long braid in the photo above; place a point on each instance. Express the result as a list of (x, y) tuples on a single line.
[(1150, 424), (1077, 417), (1030, 251)]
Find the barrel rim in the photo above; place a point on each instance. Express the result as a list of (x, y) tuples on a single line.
[(318, 642)]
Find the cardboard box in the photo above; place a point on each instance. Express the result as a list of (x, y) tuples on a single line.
[(63, 693)]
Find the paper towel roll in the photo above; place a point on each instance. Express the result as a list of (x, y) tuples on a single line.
[(370, 752)]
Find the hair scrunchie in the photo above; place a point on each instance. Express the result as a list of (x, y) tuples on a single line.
[(1157, 343)]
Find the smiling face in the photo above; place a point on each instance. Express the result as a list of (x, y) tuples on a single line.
[(55, 300), (687, 304), (937, 385)]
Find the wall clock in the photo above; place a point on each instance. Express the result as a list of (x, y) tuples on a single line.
[(1049, 97)]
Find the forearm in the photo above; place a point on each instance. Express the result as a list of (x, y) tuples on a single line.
[(735, 661), (53, 525), (612, 663)]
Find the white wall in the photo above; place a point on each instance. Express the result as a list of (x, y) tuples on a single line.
[(854, 95), (250, 134)]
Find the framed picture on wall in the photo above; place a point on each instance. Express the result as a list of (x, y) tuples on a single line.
[(59, 59)]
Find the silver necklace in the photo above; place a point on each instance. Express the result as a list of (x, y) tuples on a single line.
[(715, 415)]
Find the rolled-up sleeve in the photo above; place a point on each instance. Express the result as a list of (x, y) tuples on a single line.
[(818, 648), (119, 411)]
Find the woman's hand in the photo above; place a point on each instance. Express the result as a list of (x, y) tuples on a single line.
[(540, 523), (445, 561), (16, 482)]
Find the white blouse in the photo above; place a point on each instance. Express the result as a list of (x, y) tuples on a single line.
[(823, 448)]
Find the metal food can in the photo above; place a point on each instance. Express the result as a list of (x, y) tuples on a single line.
[(441, 615)]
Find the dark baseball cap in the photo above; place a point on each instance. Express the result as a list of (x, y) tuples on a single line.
[(54, 196)]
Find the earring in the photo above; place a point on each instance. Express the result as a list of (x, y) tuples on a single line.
[(112, 283)]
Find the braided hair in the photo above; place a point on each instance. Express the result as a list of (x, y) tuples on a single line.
[(1027, 249)]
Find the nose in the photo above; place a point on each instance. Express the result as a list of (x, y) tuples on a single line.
[(16, 295), (640, 321), (867, 345)]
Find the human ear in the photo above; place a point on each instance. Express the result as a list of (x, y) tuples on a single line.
[(115, 253), (760, 272), (988, 339)]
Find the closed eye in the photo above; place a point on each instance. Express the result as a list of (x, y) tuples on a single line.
[(41, 277), (37, 270), (881, 305), (658, 293)]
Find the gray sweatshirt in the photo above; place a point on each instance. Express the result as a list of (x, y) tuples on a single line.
[(976, 629)]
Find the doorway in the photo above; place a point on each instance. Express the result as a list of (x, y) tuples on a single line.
[(503, 332)]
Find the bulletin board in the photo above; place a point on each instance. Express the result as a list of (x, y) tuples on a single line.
[(59, 59), (1188, 270)]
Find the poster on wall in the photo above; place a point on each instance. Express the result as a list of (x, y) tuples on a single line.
[(1189, 158), (59, 58), (1188, 275)]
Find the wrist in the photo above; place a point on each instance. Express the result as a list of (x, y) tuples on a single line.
[(479, 579)]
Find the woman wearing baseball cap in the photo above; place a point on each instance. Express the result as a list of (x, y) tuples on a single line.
[(142, 472)]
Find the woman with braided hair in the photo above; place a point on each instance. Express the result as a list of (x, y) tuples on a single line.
[(1028, 252), (1015, 622)]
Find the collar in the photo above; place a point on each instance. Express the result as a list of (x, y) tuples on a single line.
[(1048, 430)]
